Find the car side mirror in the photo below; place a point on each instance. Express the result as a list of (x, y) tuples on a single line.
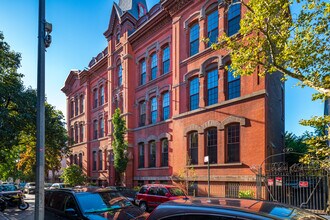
[(70, 212)]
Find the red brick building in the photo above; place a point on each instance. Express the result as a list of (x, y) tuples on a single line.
[(179, 101)]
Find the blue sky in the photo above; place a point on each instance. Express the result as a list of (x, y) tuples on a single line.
[(78, 27)]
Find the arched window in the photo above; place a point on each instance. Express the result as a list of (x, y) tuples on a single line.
[(233, 85), (194, 93), (234, 17), (166, 106), (154, 68), (95, 129), (193, 148), (212, 87), (71, 135), (76, 159), (76, 105), (164, 152), (95, 98), (81, 128), (141, 155), (94, 160), (233, 143), (166, 60), (76, 133), (120, 75), (153, 110), (211, 145), (152, 154), (101, 95), (118, 37), (143, 72), (100, 160), (81, 101), (142, 108), (71, 159), (194, 39), (80, 160), (212, 27), (101, 127), (71, 109)]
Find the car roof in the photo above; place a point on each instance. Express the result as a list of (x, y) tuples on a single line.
[(223, 205), (159, 185)]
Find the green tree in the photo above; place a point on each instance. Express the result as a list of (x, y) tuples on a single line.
[(297, 145), (119, 143), (271, 40), (12, 102), (55, 144), (73, 175)]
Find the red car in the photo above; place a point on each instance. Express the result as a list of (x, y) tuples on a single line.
[(151, 195)]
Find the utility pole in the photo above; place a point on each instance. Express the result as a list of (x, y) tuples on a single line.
[(44, 40)]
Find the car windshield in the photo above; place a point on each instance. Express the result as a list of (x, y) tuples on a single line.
[(175, 191), (32, 184), (101, 201)]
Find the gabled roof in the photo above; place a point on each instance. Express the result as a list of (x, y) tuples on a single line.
[(118, 10), (70, 80)]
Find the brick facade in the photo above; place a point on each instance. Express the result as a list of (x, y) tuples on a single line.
[(172, 98)]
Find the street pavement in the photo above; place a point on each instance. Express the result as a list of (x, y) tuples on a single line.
[(16, 214)]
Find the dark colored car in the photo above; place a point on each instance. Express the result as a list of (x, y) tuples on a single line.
[(223, 209), (95, 205), (151, 195)]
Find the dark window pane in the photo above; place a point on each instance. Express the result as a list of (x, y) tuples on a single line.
[(142, 113), (120, 75), (212, 87), (194, 39), (165, 153), (194, 93), (153, 110), (56, 201), (100, 160), (101, 95), (141, 155), (152, 154), (154, 66), (143, 72), (193, 147), (94, 160), (166, 60), (211, 141), (234, 85), (212, 27), (233, 143), (234, 17), (166, 106)]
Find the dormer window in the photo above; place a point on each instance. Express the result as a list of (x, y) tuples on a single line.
[(142, 10)]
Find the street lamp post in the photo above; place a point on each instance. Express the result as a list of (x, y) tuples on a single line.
[(44, 40)]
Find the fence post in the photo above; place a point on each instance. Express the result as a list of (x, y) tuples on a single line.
[(259, 183)]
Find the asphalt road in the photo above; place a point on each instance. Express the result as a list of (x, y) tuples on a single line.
[(16, 214)]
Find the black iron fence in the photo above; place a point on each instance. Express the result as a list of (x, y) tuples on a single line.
[(299, 185)]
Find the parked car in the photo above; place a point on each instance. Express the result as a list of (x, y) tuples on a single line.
[(151, 195), (216, 209), (59, 186), (89, 204), (30, 188), (47, 185)]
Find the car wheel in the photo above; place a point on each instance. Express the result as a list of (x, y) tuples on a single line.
[(143, 206)]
